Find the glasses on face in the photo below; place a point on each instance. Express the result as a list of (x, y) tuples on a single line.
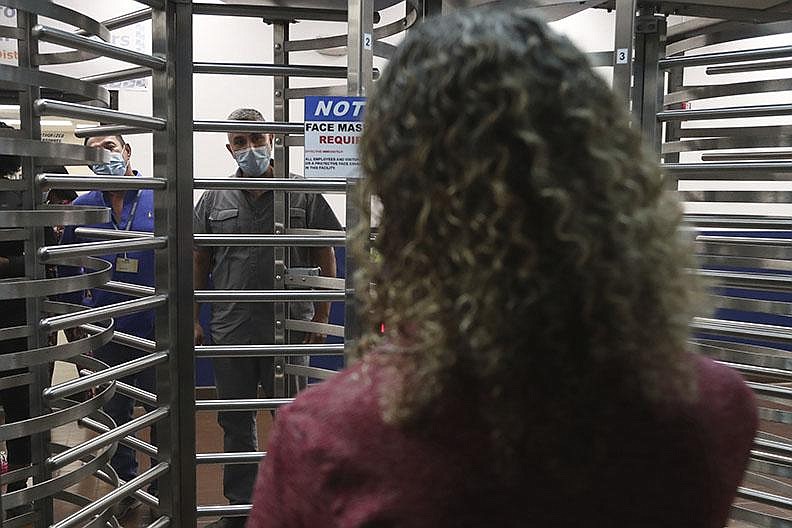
[(242, 141)]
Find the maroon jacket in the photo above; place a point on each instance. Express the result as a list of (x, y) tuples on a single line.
[(332, 462)]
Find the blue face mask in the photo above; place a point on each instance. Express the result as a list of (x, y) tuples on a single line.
[(117, 166), (253, 161)]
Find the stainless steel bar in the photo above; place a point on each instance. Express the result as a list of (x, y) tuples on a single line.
[(725, 113), (267, 296), (127, 74), (749, 68), (73, 386), (114, 496), (741, 329), (248, 126), (129, 441), (270, 404), (12, 234), (131, 391), (776, 446), (773, 391), (61, 322), (764, 498), (623, 49), (310, 372), (72, 40), (706, 59), (144, 497), (740, 221), (104, 247), (162, 522), (272, 184), (123, 20), (76, 453), (758, 241), (237, 510), (270, 13), (134, 290), (269, 240), (146, 345), (757, 281), (285, 70), (249, 457), (297, 350), (731, 156), (91, 113), (679, 169), (319, 281), (109, 234), (314, 328), (109, 130), (106, 183)]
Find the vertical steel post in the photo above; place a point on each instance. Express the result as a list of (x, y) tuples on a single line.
[(173, 209), (649, 79), (623, 48), (359, 82), (280, 34), (30, 125)]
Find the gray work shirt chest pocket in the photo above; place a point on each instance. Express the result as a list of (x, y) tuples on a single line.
[(224, 220), (297, 218)]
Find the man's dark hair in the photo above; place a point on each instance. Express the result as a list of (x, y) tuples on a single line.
[(246, 114), (119, 136), (9, 164)]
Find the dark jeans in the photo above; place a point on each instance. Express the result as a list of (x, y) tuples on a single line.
[(120, 408), (239, 378)]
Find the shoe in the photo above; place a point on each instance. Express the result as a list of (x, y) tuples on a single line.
[(122, 510), (228, 522)]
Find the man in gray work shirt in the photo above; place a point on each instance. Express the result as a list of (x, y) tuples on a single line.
[(251, 268)]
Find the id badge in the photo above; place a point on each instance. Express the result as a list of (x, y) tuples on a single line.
[(126, 265)]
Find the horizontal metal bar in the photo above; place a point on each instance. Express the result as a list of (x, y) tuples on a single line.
[(706, 59), (131, 391), (270, 13), (739, 221), (267, 296), (44, 107), (322, 349), (764, 498), (104, 247), (106, 183), (757, 281), (309, 372), (247, 457), (82, 383), (123, 20), (129, 441), (109, 130), (315, 281), (13, 234), (771, 457), (61, 322), (752, 241), (773, 391), (725, 113), (143, 496), (742, 329), (272, 184), (248, 126), (163, 522), (127, 74), (240, 239), (311, 327), (233, 510), (762, 371), (139, 343), (718, 168), (749, 67), (99, 505), (110, 234), (75, 453), (728, 156), (78, 42), (285, 70), (242, 405), (777, 446), (133, 290)]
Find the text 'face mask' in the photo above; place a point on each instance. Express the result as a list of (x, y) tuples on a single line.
[(253, 161), (117, 166)]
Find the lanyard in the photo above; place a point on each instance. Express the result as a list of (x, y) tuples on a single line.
[(131, 216)]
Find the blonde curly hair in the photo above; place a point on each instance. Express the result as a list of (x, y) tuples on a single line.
[(531, 262)]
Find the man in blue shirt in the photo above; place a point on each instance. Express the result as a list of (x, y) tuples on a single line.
[(131, 211)]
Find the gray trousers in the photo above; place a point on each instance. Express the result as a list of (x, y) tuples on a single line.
[(239, 378)]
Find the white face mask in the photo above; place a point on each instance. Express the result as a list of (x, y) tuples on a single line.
[(253, 161)]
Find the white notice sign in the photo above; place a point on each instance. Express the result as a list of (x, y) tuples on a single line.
[(333, 126)]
